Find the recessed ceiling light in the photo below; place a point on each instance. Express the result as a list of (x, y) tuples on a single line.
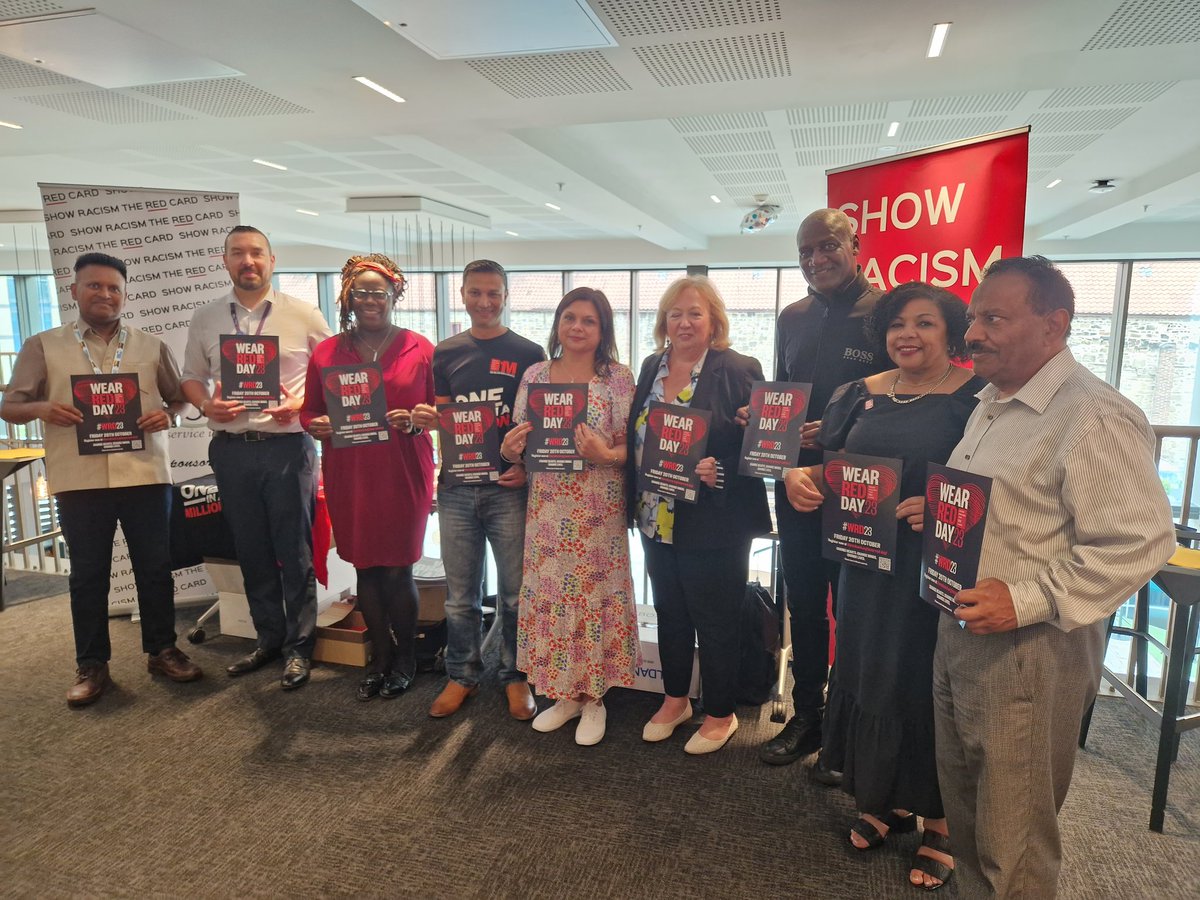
[(1102, 186), (937, 40), (12, 125), (270, 165), (307, 212), (893, 128), (553, 207), (513, 233), (378, 88), (1055, 183), (714, 198)]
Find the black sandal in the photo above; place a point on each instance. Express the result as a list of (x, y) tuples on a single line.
[(896, 825), (930, 866)]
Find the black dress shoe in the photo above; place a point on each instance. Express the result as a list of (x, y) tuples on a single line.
[(295, 672), (256, 660), (800, 737), (394, 685), (823, 775), (369, 686)]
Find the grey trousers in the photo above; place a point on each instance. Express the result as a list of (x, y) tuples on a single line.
[(1007, 710)]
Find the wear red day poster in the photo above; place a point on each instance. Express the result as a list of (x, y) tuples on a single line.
[(110, 406), (468, 443), (858, 517), (555, 410), (355, 401), (676, 438), (956, 505), (250, 369), (772, 440), (940, 215)]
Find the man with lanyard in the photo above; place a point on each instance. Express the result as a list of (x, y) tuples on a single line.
[(95, 491), (484, 363), (818, 339), (264, 463)]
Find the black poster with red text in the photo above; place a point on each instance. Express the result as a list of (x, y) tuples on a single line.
[(554, 411), (468, 443), (111, 406), (772, 440), (858, 517), (356, 404), (676, 438), (250, 369), (956, 505)]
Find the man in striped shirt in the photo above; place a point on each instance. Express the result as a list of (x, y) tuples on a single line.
[(1078, 521)]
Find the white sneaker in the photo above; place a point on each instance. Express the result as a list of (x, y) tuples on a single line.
[(557, 715), (591, 724)]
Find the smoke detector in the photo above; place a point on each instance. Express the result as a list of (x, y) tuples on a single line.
[(1102, 186), (761, 216)]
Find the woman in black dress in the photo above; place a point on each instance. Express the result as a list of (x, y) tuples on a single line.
[(879, 725)]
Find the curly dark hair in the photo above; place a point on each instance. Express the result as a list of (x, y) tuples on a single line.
[(891, 304), (356, 265), (606, 350)]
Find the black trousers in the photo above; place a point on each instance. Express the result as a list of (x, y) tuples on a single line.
[(698, 596), (268, 492), (89, 523), (810, 577)]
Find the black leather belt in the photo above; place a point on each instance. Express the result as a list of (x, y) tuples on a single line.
[(256, 435)]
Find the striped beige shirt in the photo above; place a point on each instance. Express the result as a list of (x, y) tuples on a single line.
[(1078, 518)]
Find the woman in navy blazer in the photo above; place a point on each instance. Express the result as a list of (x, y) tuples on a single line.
[(697, 554)]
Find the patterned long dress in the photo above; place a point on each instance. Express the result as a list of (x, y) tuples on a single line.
[(577, 627)]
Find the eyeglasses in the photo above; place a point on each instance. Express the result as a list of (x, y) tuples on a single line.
[(358, 294)]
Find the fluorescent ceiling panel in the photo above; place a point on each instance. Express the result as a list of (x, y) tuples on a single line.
[(102, 51), (469, 29)]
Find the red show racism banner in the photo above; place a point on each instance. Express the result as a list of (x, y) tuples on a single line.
[(940, 215)]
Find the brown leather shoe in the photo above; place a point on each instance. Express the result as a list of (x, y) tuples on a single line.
[(453, 696), (173, 663), (90, 682), (520, 701)]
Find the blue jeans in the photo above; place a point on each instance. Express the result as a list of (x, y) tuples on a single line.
[(469, 515)]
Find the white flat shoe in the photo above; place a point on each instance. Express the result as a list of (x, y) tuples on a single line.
[(655, 731), (557, 715), (591, 724), (697, 744)]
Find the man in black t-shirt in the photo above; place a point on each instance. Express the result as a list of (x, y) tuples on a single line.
[(481, 364), (818, 339)]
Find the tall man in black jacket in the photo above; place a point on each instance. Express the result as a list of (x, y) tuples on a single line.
[(818, 339)]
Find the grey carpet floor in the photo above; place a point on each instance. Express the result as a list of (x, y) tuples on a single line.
[(22, 585), (230, 787)]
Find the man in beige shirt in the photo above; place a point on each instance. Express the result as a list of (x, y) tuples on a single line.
[(95, 491), (1077, 522)]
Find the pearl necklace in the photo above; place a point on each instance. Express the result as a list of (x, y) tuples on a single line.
[(892, 390)]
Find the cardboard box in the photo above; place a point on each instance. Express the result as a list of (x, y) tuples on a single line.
[(433, 601), (226, 577), (342, 635), (649, 676)]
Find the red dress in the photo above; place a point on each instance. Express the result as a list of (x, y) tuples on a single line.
[(379, 495)]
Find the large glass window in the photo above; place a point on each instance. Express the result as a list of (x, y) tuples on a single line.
[(301, 285), (650, 286), (10, 326), (1096, 286), (417, 310), (749, 296), (532, 299)]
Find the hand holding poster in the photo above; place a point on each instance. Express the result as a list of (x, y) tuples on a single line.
[(676, 438), (772, 440), (250, 369), (858, 517), (554, 411), (468, 443), (956, 505), (111, 406), (355, 401)]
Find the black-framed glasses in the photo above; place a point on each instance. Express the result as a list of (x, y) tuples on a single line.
[(360, 294)]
